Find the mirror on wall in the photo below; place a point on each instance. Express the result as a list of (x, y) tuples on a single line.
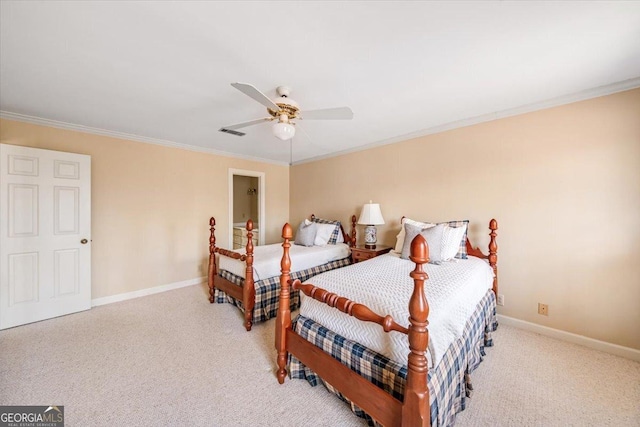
[(246, 198), (246, 201)]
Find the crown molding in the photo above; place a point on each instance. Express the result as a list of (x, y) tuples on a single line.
[(528, 108), (128, 136)]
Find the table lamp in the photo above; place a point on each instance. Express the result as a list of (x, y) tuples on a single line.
[(370, 216)]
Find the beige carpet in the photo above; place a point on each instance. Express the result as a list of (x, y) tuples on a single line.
[(174, 359)]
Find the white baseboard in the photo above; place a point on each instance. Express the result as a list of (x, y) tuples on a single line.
[(144, 292), (618, 350)]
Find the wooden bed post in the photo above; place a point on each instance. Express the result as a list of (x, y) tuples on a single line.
[(249, 289), (415, 409), (212, 258), (283, 320), (353, 231), (493, 254)]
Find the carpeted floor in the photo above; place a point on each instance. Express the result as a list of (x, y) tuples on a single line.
[(174, 359)]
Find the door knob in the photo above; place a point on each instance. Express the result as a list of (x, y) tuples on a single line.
[(84, 241)]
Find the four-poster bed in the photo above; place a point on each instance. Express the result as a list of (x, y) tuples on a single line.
[(411, 393), (233, 278)]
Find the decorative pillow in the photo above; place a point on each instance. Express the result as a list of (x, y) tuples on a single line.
[(462, 248), (433, 235), (400, 236), (451, 241), (306, 234), (323, 236), (333, 239)]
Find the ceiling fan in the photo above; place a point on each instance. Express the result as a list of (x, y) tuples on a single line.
[(284, 111)]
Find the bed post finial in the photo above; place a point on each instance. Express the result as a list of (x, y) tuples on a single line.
[(415, 408), (212, 258), (249, 292), (493, 254), (354, 236), (212, 236), (283, 320)]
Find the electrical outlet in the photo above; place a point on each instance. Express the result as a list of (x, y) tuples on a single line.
[(543, 309), (500, 299)]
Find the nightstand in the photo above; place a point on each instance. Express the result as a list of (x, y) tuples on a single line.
[(360, 253)]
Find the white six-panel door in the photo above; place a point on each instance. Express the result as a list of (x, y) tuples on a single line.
[(45, 234)]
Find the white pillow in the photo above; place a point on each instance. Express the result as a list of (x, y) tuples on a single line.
[(434, 237), (324, 234), (400, 236), (306, 234), (340, 238), (451, 241)]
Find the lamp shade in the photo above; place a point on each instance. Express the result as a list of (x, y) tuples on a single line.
[(371, 215), (284, 131)]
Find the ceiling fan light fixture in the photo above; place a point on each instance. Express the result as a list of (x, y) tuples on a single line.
[(285, 110), (283, 131), (286, 101)]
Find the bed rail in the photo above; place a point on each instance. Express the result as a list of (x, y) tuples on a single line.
[(383, 407), (231, 254), (345, 305)]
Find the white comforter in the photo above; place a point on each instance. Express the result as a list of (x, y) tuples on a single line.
[(266, 259), (383, 284)]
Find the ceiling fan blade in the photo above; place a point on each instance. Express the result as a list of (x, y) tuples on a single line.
[(254, 93), (232, 128), (340, 113)]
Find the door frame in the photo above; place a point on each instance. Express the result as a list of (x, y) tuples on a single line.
[(261, 202)]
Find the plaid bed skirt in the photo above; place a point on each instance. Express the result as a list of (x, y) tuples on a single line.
[(449, 382), (268, 290)]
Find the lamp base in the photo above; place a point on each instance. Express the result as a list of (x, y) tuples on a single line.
[(370, 237)]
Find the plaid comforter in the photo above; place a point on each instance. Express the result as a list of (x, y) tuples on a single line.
[(268, 290), (449, 382)]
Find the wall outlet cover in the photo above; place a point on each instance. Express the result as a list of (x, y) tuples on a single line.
[(543, 309)]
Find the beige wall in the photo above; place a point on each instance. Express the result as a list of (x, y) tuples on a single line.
[(563, 183), (151, 205)]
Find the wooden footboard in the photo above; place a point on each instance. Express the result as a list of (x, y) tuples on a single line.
[(382, 407), (414, 410), (246, 293)]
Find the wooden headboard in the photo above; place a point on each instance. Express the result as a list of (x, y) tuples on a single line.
[(492, 256)]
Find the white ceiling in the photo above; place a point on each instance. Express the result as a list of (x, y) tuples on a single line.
[(162, 70)]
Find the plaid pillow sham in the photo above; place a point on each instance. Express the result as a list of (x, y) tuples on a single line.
[(336, 232), (462, 250)]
